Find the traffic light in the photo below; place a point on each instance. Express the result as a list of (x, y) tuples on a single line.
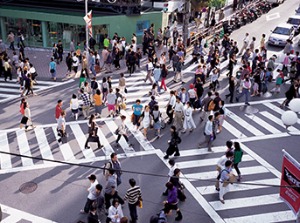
[(165, 8)]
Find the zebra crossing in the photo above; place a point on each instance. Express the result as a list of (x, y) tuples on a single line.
[(11, 89), (41, 143), (257, 194), (265, 121), (12, 215)]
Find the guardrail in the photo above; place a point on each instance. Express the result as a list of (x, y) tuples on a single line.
[(210, 32)]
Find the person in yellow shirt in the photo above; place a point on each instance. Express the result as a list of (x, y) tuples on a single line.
[(98, 103)]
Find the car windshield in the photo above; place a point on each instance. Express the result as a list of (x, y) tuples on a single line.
[(294, 21), (282, 31)]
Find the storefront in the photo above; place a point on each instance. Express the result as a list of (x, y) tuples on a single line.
[(44, 28)]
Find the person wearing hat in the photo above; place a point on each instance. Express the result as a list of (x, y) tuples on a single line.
[(92, 196), (179, 112)]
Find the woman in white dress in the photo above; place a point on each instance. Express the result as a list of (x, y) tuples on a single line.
[(146, 120), (188, 122), (115, 212), (74, 106)]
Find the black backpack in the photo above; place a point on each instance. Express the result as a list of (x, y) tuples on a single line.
[(156, 218)]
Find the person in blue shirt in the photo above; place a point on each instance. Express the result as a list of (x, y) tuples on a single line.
[(137, 112), (52, 68)]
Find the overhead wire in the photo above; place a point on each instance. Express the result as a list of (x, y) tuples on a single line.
[(141, 173)]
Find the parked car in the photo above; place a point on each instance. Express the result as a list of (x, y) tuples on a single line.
[(295, 21), (281, 34)]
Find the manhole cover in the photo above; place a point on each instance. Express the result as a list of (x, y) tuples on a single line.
[(28, 187)]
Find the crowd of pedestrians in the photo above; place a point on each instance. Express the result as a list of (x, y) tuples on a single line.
[(165, 54)]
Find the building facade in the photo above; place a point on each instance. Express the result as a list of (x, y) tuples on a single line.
[(44, 27)]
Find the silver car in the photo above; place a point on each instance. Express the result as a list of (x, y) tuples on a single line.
[(295, 21), (281, 34)]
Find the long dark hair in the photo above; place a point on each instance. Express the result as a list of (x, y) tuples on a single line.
[(237, 146), (91, 118)]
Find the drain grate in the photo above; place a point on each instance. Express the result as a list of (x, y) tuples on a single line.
[(28, 187)]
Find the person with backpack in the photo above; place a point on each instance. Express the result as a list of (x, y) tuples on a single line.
[(161, 217), (205, 104), (173, 143), (172, 200), (225, 178), (221, 164), (115, 165)]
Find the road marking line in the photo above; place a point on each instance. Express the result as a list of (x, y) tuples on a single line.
[(195, 152), (5, 158), (272, 16), (43, 144), (24, 148), (198, 197), (246, 202), (277, 109), (78, 161), (205, 162), (22, 215), (103, 140), (263, 124), (241, 187), (244, 124), (81, 138), (280, 216), (212, 174), (255, 102), (261, 161), (256, 138), (11, 219), (278, 121), (234, 131), (65, 148)]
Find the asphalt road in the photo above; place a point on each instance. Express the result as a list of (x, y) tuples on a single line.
[(61, 189)]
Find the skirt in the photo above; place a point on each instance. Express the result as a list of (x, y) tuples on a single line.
[(24, 120)]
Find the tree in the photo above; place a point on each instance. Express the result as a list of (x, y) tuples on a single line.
[(216, 3)]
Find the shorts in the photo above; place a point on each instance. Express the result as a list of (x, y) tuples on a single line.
[(74, 111), (111, 107), (136, 119), (24, 120)]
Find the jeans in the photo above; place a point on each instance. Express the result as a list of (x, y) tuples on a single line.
[(245, 92), (88, 205), (92, 68), (158, 87), (133, 212)]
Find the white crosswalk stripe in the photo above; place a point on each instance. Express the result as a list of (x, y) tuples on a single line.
[(11, 89), (198, 173), (15, 216), (267, 121), (73, 150)]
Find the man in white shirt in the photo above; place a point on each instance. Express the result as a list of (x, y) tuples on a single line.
[(209, 133), (75, 63), (179, 112), (245, 43), (92, 194), (170, 106), (221, 165)]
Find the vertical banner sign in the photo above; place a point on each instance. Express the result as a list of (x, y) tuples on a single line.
[(88, 20), (290, 182)]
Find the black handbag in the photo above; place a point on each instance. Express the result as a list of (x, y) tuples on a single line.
[(93, 139)]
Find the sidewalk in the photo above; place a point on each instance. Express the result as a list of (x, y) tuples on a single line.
[(40, 57)]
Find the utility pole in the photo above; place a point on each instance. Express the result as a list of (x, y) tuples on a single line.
[(186, 17), (86, 31)]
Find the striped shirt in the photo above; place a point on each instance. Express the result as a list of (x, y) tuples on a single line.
[(133, 194)]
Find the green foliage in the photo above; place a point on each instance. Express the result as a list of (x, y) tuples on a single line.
[(216, 3)]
